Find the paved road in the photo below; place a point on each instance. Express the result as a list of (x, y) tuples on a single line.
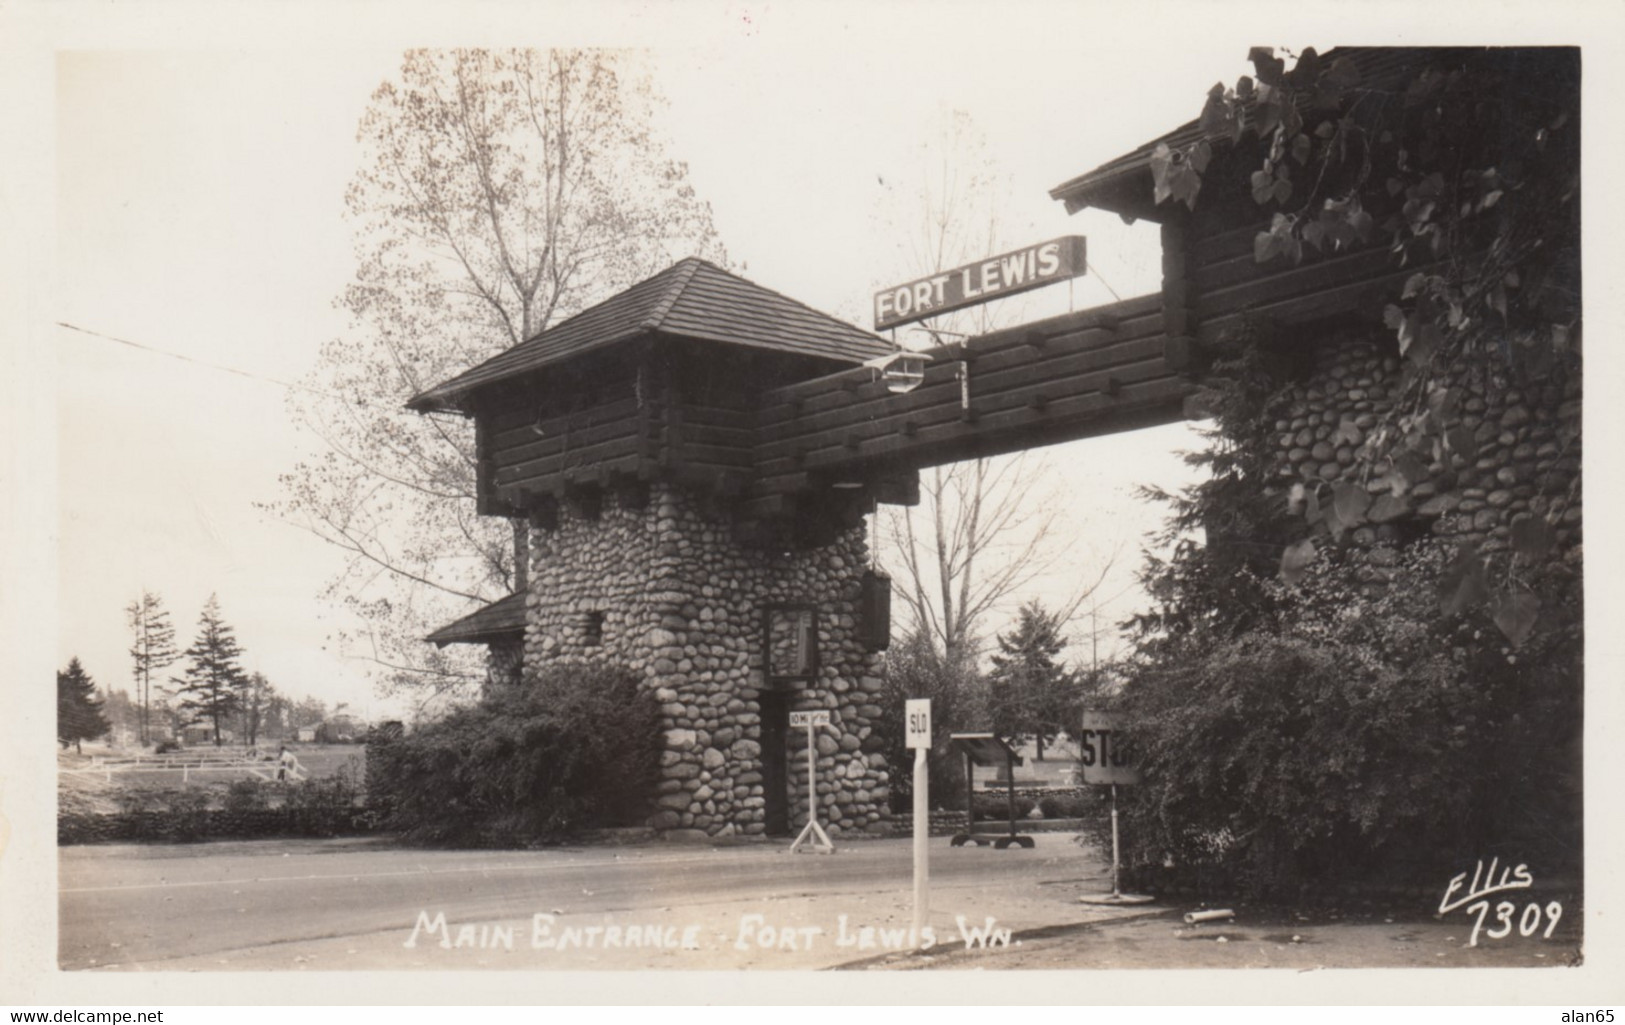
[(354, 904)]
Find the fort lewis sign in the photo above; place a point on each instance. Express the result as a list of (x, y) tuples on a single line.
[(994, 278)]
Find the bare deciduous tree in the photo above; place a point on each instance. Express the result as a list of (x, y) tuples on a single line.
[(153, 650), (500, 192), (986, 529), (981, 536), (256, 707)]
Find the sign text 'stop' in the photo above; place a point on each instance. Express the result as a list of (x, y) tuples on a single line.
[(1104, 750), (993, 278)]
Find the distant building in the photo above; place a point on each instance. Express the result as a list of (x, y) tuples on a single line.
[(199, 733), (341, 728)]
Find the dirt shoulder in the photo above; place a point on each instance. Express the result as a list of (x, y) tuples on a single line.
[(1153, 937)]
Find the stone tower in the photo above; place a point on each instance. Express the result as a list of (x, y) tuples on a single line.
[(623, 440)]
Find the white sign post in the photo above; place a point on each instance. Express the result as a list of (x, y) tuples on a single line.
[(917, 720), (812, 835), (1107, 759)]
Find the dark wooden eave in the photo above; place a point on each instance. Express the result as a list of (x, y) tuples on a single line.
[(502, 620), (1123, 185)]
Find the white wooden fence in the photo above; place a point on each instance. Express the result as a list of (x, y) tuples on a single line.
[(189, 762)]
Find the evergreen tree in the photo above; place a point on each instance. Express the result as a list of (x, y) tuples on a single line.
[(1030, 692), (916, 668), (78, 711), (153, 650), (212, 688)]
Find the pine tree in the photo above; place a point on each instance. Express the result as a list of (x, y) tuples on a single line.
[(154, 650), (212, 687), (78, 711), (1030, 692)]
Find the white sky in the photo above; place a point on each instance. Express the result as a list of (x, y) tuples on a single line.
[(198, 212), (198, 190)]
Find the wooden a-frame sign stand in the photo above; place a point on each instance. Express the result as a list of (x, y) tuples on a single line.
[(812, 836)]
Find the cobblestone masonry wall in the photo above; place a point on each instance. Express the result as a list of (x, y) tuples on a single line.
[(1526, 457), (504, 664), (666, 591)]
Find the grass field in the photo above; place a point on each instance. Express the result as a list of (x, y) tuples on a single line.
[(318, 760)]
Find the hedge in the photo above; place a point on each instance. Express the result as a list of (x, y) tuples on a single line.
[(194, 826)]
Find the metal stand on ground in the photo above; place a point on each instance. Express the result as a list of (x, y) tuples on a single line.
[(922, 833), (1116, 896), (812, 835), (987, 749)]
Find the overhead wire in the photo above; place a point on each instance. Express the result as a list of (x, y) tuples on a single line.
[(193, 359), (1092, 270)]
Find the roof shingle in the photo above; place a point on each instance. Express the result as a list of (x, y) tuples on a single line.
[(690, 299)]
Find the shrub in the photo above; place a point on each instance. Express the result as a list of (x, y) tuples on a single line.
[(575, 746), (245, 795), (185, 816), (1067, 806), (322, 807), (1357, 737), (997, 807)]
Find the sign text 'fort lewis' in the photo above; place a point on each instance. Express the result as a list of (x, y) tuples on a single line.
[(993, 278)]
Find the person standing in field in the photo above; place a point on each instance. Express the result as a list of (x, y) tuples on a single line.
[(286, 762)]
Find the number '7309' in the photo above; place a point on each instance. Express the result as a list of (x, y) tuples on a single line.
[(1528, 921)]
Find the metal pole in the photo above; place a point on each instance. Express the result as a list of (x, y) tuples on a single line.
[(1115, 892), (970, 797), (922, 836), (1010, 790), (812, 789)]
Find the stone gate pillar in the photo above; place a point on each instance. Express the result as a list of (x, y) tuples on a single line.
[(664, 588)]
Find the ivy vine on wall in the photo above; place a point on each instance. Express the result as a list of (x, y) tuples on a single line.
[(1465, 164)]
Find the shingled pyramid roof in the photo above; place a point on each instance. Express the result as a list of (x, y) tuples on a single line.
[(690, 299)]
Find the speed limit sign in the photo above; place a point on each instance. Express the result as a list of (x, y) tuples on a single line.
[(917, 722)]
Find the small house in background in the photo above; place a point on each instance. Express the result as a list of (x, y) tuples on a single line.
[(200, 733), (1060, 767), (305, 735), (341, 728)]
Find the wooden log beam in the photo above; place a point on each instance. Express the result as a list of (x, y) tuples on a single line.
[(631, 491), (1356, 296), (543, 512), (585, 500), (786, 410), (1012, 376), (1142, 404), (934, 431), (1178, 316), (1274, 282)]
